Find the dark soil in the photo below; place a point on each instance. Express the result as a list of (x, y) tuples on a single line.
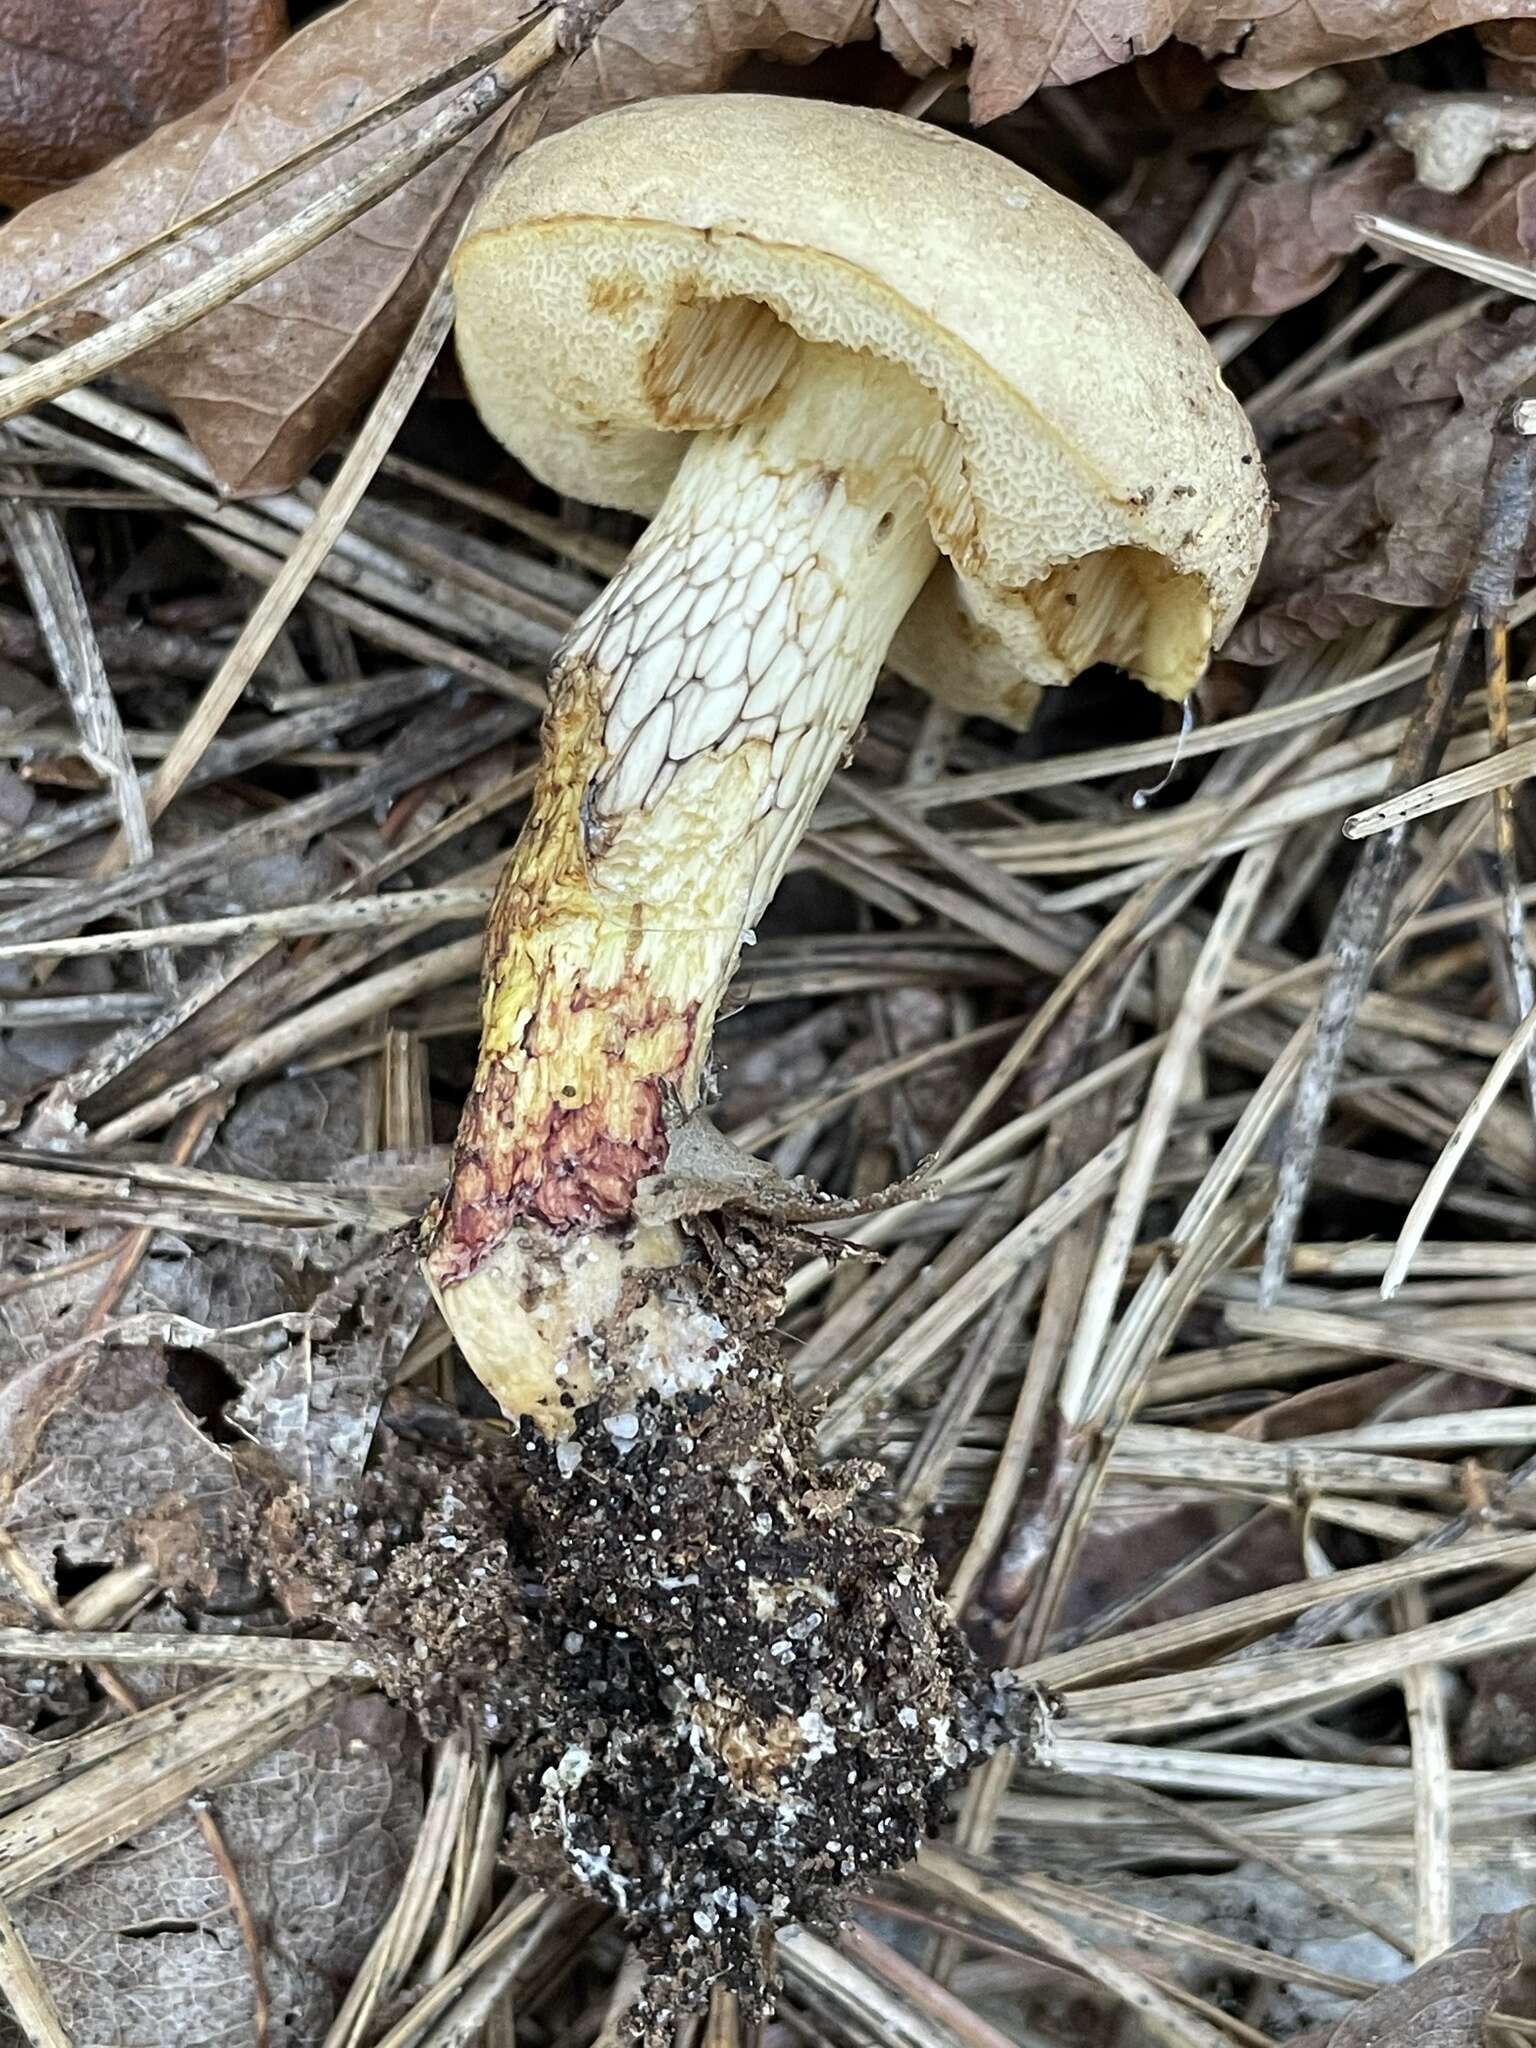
[(722, 1694)]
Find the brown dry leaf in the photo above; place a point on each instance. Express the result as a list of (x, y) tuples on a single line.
[(1443, 2005), (1293, 37), (1283, 242), (82, 80), (264, 383), (1019, 46), (652, 47), (141, 1948), (1381, 509)]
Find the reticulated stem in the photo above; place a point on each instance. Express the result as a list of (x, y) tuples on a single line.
[(697, 711)]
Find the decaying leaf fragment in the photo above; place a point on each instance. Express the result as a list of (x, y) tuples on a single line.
[(83, 80), (1446, 2004)]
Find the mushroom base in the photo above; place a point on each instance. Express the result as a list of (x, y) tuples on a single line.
[(723, 1698)]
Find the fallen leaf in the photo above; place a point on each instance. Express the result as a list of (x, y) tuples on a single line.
[(313, 1405), (1285, 241), (263, 384), (1399, 530), (653, 47), (99, 1447), (1018, 47), (140, 1949), (1443, 2005), (1014, 46), (1297, 36), (82, 80)]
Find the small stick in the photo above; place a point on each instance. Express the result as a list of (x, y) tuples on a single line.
[(1522, 982), (1367, 900)]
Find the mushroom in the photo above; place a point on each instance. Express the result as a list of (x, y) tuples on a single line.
[(886, 397)]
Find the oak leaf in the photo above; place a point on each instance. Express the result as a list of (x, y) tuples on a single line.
[(1019, 46), (82, 80)]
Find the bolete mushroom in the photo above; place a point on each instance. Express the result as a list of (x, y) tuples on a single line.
[(886, 397)]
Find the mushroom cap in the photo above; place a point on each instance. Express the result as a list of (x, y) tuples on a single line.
[(1108, 502)]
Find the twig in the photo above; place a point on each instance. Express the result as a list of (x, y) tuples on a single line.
[(1367, 899)]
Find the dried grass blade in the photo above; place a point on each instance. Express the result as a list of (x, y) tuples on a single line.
[(1168, 1640), (440, 904), (1085, 1391), (24, 1990), (1441, 792), (1445, 252), (1429, 1751), (1157, 2011), (1293, 1678), (1460, 1142)]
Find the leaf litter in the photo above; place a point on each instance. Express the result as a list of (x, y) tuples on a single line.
[(1269, 1560)]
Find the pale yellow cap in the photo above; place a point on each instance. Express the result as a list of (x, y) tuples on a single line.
[(1110, 503)]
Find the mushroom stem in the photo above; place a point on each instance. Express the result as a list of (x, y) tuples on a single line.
[(696, 713)]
